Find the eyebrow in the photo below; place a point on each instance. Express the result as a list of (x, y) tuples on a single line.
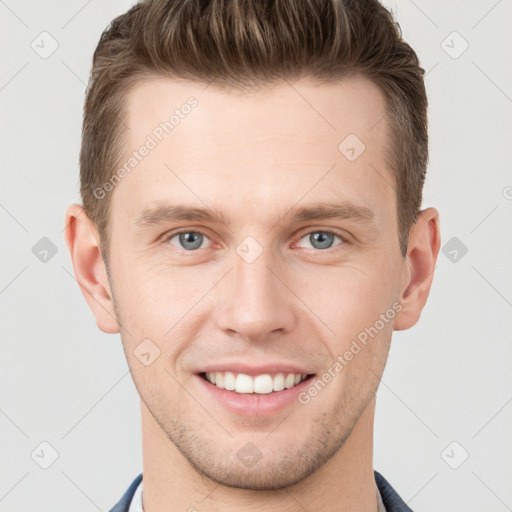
[(162, 213), (347, 210)]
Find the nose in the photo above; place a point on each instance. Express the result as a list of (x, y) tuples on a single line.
[(257, 302)]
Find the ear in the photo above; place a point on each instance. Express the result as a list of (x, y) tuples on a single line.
[(82, 240), (419, 265)]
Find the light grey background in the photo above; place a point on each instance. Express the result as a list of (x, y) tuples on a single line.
[(448, 379)]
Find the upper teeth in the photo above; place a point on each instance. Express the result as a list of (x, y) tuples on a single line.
[(243, 383)]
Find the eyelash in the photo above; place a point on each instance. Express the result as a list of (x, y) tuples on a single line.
[(343, 239)]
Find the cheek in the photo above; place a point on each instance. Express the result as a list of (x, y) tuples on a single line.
[(144, 287), (158, 302), (351, 298)]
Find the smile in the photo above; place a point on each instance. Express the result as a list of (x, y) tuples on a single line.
[(260, 384)]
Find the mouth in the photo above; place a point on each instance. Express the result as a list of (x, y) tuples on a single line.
[(263, 384)]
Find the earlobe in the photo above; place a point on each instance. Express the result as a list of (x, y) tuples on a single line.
[(82, 241), (422, 251)]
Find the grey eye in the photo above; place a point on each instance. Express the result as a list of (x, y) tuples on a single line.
[(189, 240), (321, 239)]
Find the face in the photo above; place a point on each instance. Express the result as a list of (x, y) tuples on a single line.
[(254, 239)]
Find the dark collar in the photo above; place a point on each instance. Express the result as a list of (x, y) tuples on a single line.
[(390, 498)]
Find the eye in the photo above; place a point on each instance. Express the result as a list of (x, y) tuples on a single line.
[(194, 240), (321, 239), (189, 240)]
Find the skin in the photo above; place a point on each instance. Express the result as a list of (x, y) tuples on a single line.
[(256, 157)]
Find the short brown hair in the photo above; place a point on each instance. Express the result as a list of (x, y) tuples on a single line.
[(246, 44)]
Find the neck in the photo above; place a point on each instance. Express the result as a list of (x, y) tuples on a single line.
[(345, 483)]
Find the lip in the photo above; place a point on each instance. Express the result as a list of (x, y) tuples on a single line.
[(253, 404), (254, 370)]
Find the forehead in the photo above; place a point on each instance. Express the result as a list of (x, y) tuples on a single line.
[(297, 109), (257, 149)]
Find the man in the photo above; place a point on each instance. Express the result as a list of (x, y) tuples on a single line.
[(251, 176)]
